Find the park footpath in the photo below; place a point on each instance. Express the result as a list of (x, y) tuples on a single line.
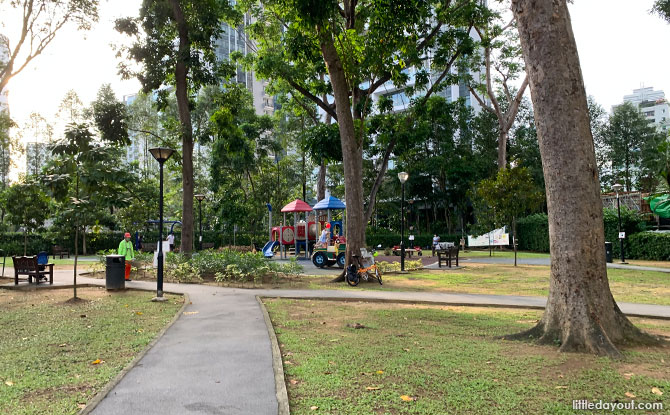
[(217, 358)]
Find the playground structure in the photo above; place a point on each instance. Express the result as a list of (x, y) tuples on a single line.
[(304, 232), (335, 253)]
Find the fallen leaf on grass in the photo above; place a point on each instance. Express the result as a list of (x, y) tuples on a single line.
[(407, 398), (561, 387), (656, 391), (125, 305), (630, 395), (81, 405), (62, 345), (628, 375), (356, 326), (372, 388), (9, 383), (139, 313), (97, 362), (190, 313), (313, 408), (379, 372), (82, 315), (407, 350), (293, 382)]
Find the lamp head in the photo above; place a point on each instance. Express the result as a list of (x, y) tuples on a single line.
[(403, 176), (617, 187), (199, 197), (161, 154)]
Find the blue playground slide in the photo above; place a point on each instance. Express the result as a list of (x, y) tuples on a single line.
[(269, 248)]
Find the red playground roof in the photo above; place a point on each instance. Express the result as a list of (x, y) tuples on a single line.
[(297, 206)]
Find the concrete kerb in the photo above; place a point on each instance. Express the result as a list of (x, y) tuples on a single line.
[(98, 397), (277, 363)]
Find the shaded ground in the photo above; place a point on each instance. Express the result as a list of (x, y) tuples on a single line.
[(447, 360)]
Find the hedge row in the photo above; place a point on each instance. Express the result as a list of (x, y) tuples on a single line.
[(12, 242), (388, 239), (533, 235), (649, 245)]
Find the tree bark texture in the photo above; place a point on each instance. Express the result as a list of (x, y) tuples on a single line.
[(581, 314), (352, 149), (181, 91)]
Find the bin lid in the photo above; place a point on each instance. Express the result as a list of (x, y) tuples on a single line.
[(115, 256)]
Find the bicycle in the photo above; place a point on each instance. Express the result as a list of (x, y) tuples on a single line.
[(355, 273)]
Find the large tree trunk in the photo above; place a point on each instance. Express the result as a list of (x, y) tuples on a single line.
[(181, 73), (581, 314), (503, 137), (352, 149)]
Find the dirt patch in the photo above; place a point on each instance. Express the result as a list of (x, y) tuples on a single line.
[(17, 299)]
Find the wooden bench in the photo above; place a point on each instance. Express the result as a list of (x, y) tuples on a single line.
[(446, 255), (60, 251), (27, 265)]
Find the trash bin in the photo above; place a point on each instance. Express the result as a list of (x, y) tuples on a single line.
[(608, 251), (115, 272)]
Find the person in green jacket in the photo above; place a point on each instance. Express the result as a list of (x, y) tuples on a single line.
[(126, 249)]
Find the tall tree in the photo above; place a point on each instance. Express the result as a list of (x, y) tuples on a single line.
[(71, 108), (581, 314), (176, 47), (662, 8), (503, 65), (627, 141), (86, 178), (41, 20), (361, 45)]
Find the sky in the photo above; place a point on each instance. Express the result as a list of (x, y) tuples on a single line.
[(621, 47)]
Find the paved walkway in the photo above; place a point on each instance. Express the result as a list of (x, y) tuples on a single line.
[(219, 360)]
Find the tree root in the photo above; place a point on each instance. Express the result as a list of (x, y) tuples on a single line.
[(590, 339)]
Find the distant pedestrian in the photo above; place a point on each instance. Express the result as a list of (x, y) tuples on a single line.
[(436, 241), (170, 240), (126, 250)]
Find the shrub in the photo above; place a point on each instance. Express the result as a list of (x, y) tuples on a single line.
[(228, 265), (649, 245)]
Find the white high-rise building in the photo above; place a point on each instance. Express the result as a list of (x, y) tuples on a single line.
[(237, 40), (653, 105)]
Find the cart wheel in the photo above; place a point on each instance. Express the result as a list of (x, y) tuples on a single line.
[(341, 259), (319, 260)]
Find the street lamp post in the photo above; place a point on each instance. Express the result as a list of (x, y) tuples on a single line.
[(199, 197), (161, 154), (617, 187), (402, 176)]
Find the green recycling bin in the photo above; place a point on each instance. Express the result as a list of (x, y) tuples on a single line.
[(115, 272)]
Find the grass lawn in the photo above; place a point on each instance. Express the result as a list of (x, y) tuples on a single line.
[(49, 345), (446, 360)]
